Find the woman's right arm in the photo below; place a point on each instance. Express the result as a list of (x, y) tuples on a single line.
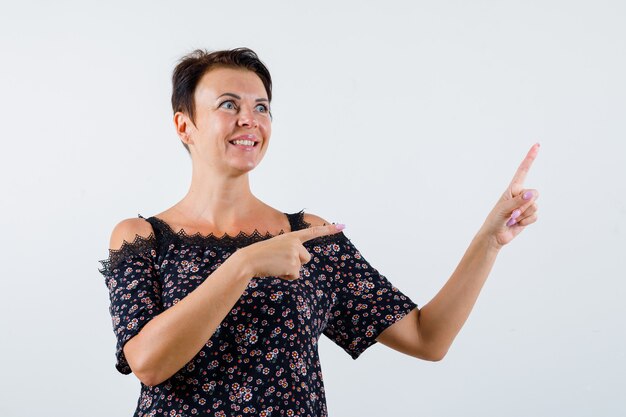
[(171, 339)]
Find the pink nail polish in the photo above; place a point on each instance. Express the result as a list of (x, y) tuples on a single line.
[(516, 214), (527, 195), (340, 226), (511, 222)]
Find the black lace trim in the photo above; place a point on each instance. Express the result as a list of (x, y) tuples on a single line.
[(302, 224), (241, 239), (144, 244), (139, 245)]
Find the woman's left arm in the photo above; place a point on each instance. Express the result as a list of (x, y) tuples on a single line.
[(427, 333)]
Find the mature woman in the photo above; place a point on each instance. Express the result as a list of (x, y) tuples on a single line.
[(218, 302)]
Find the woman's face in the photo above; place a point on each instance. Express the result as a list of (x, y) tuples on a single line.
[(230, 104)]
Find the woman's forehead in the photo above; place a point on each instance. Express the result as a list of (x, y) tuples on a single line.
[(239, 81)]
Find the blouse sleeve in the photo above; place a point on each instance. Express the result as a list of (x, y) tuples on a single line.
[(364, 302), (131, 275)]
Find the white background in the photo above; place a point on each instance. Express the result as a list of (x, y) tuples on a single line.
[(403, 120)]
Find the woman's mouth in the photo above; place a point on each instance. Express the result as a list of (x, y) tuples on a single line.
[(243, 144)]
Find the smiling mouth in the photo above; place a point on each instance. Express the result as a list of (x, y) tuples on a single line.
[(247, 143), (244, 145)]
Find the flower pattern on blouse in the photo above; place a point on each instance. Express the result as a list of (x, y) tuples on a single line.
[(263, 358)]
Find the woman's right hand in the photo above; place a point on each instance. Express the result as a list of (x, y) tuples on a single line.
[(282, 255)]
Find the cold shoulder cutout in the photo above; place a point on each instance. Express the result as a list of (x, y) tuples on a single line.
[(139, 245)]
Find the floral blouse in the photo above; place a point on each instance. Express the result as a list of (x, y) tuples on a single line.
[(263, 358)]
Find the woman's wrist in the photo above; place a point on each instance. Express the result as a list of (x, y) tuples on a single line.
[(488, 241), (239, 265)]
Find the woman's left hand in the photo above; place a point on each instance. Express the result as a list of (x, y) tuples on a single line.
[(516, 209)]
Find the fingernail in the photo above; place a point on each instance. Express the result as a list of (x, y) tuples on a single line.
[(516, 214), (340, 226), (527, 195), (511, 222)]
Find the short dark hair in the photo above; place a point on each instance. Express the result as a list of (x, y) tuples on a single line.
[(194, 65)]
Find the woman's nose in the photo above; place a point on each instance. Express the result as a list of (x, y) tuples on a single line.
[(247, 118)]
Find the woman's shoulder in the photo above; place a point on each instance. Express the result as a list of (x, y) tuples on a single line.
[(129, 230), (312, 220), (130, 238)]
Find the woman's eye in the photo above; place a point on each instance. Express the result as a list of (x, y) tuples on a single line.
[(228, 104), (262, 108)]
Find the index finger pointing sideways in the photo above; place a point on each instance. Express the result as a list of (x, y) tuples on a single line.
[(317, 231), (522, 170)]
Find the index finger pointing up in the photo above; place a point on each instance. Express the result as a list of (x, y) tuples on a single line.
[(520, 174), (317, 231)]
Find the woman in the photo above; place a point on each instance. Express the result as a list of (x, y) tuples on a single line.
[(218, 302)]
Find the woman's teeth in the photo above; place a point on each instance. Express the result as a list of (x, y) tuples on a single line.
[(243, 142)]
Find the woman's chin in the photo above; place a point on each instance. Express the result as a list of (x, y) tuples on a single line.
[(244, 166), (234, 165)]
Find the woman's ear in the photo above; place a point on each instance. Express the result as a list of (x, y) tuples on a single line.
[(183, 127)]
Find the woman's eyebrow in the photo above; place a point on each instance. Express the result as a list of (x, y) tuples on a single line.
[(239, 98)]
